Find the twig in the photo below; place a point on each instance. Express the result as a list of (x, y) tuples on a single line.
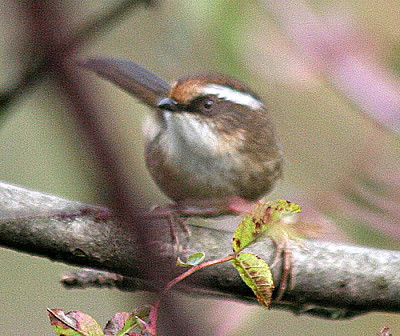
[(40, 65), (152, 326)]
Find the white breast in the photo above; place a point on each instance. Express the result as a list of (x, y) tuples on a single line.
[(194, 147), (189, 133)]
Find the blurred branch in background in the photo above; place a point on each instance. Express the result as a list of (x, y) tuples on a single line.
[(42, 59), (49, 39), (371, 198), (334, 46)]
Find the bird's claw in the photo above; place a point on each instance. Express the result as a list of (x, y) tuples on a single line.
[(284, 251)]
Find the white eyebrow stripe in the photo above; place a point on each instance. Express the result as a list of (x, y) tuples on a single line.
[(232, 95)]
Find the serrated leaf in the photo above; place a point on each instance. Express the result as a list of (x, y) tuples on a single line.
[(262, 222), (74, 323), (193, 260), (256, 273)]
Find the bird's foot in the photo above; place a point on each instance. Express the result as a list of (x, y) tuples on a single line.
[(174, 219), (284, 251)]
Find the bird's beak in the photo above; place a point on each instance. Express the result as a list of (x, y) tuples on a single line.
[(168, 104)]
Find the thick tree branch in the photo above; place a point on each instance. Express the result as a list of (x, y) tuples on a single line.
[(341, 279)]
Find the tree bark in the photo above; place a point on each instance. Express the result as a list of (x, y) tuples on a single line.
[(330, 280)]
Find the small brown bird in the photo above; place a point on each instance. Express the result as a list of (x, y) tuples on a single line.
[(210, 142)]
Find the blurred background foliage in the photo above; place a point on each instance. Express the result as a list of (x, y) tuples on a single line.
[(341, 164)]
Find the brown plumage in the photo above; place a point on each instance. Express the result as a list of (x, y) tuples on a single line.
[(209, 141)]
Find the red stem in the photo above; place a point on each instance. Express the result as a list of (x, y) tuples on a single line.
[(152, 325)]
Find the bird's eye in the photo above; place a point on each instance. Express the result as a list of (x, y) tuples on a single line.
[(202, 104), (208, 104)]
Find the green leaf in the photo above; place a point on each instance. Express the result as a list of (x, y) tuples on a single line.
[(256, 273), (123, 323), (263, 221), (193, 260), (74, 323)]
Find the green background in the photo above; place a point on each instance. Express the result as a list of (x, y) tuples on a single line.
[(323, 137)]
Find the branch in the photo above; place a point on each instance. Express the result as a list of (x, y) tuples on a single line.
[(336, 46), (39, 66), (330, 280)]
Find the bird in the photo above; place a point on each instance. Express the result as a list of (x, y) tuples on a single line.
[(210, 142)]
